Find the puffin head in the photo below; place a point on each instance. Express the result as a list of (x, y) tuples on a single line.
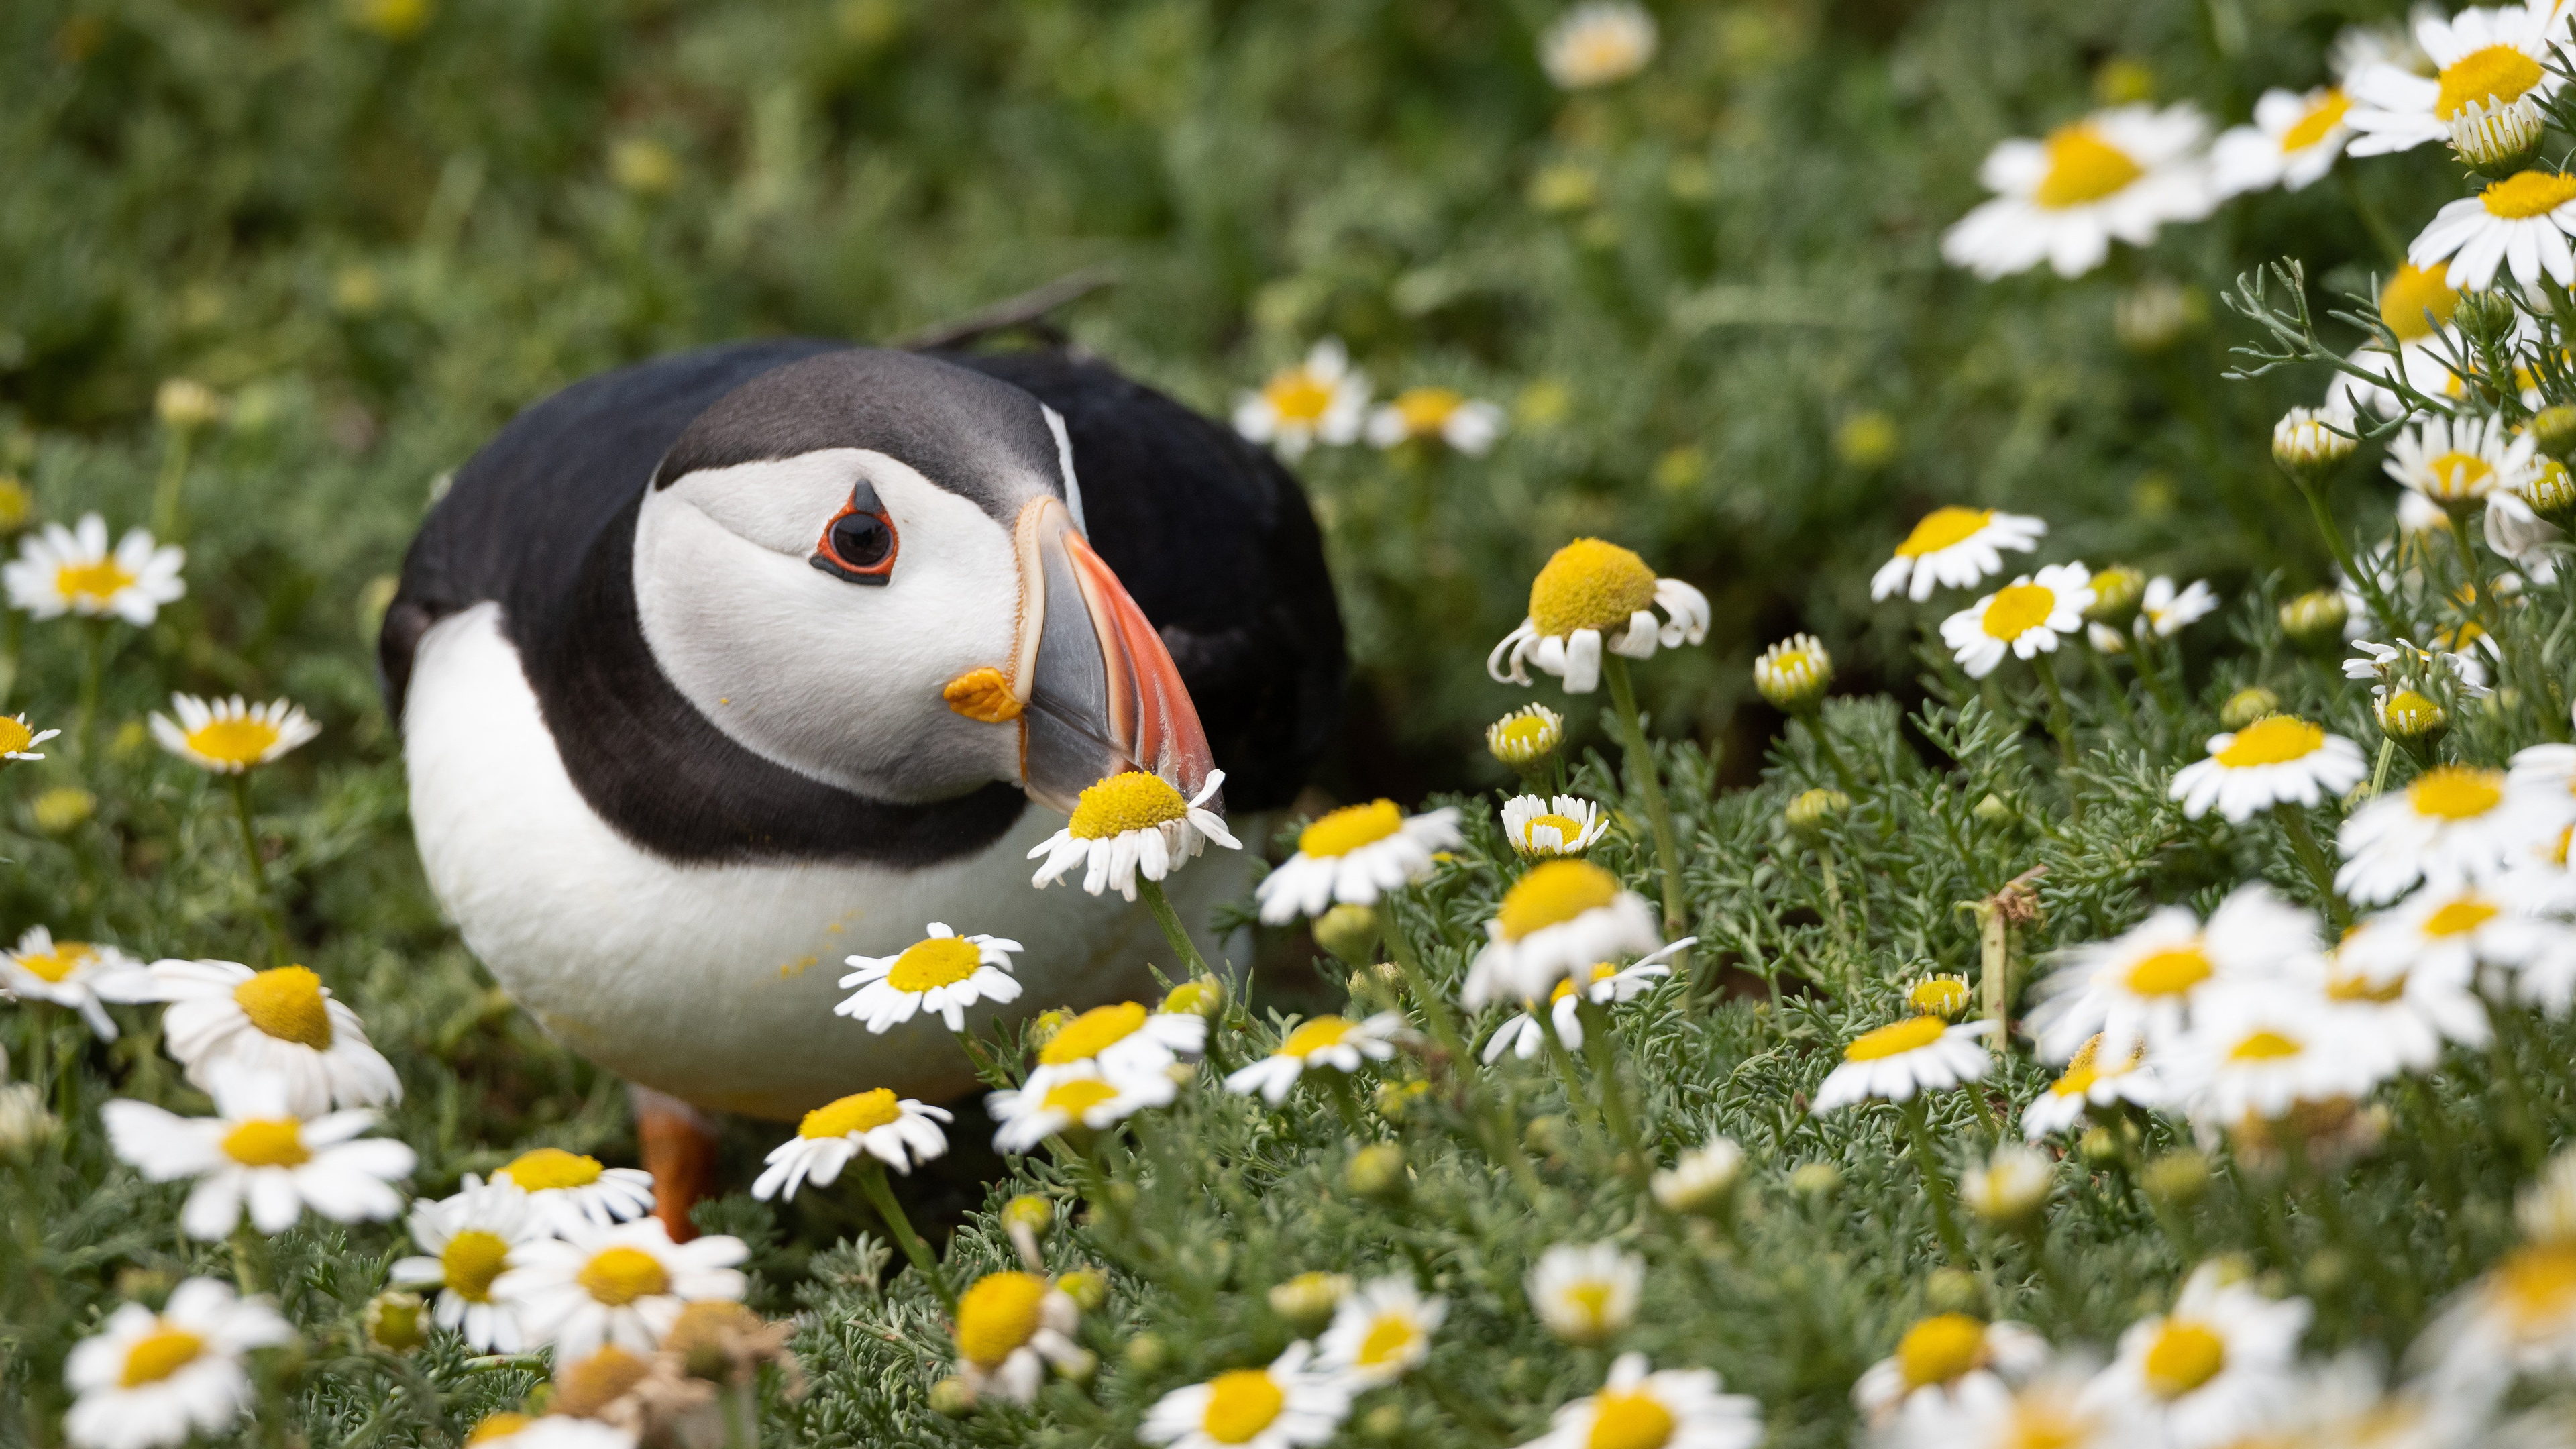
[(869, 568)]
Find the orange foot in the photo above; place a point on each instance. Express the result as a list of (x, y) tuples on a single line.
[(679, 1145)]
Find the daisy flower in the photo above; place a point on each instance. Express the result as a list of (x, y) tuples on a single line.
[(1664, 1409), (895, 1132), (467, 1241), (2208, 1371), (2140, 986), (1554, 922), (2520, 1318), (2460, 461), (1010, 1326), (2357, 47), (149, 1379), (1355, 854), (77, 974), (229, 736), (1280, 1407), (1940, 1356), (2258, 1050), (570, 1192), (1061, 1099), (2454, 823), (1130, 824), (1794, 673), (1593, 596), (1318, 399), (2025, 617), (2395, 663), (1603, 984), (2278, 760), (2401, 1005), (2446, 931), (2166, 611), (2049, 1412), (1597, 44), (623, 1285), (62, 571), (18, 740), (1586, 1293), (1526, 736), (1125, 1041), (2293, 142), (1920, 1053), (1468, 425), (1322, 1041), (2090, 1081), (282, 1022), (943, 974), (1544, 828), (1381, 1332), (1959, 547), (257, 1153), (2116, 175), (2481, 57)]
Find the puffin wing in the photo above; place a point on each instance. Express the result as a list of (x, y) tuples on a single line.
[(1213, 539)]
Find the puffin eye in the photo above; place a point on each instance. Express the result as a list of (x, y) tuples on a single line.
[(858, 545)]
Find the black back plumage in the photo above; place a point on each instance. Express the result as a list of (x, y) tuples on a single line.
[(1210, 535)]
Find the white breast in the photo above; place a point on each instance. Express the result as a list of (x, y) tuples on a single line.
[(716, 983)]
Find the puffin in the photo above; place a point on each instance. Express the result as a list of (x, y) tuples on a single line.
[(715, 670)]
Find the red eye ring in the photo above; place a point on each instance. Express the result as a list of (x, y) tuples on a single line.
[(860, 554)]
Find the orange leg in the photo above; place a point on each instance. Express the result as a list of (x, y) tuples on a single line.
[(679, 1146)]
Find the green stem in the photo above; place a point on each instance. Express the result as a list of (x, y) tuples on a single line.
[(2369, 585), (1435, 1007), (1614, 1094), (40, 1034), (1337, 1085), (1641, 765), (245, 1263), (1170, 921), (987, 1071), (2117, 691), (166, 490), (1936, 1183), (279, 946), (93, 670), (2058, 722), (1814, 720), (1577, 1100), (2379, 773), (2312, 856), (872, 1181)]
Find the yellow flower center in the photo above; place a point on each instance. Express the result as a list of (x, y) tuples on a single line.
[(997, 1315), (1632, 1420), (1604, 52), (1601, 971), (619, 1276), (2456, 792), (2538, 1284), (1390, 1337), (1912, 1034), (935, 961), (1567, 832), (1077, 1096), (1939, 996), (2412, 293), (2082, 167), (1425, 409), (14, 735), (2076, 1081), (1298, 396), (1313, 1036), (1941, 528), (2273, 741), (1940, 1348), (267, 1142), (1553, 894), (1092, 1033), (585, 1389), (546, 1168), (1349, 828), (1241, 1403), (2264, 1046), (2170, 973), (2018, 609), (2359, 988), (2461, 916), (240, 742), (470, 1261), (53, 966), (158, 1354), (2458, 475), (2408, 713), (2528, 194), (95, 584), (497, 1426), (1132, 801), (2321, 118), (2496, 73), (1590, 1299), (2183, 1357), (1589, 584), (1524, 732), (2046, 1426), (861, 1112), (287, 1004), (1193, 998)]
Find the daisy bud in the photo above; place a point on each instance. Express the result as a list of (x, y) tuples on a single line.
[(1816, 1181), (25, 1125), (17, 505), (2098, 1146), (1394, 1099), (2314, 620), (2309, 443), (1198, 996), (951, 1399), (2116, 593), (2487, 319), (1044, 1026), (1794, 674), (2497, 136), (2010, 1187), (1994, 810), (1941, 996), (1813, 811), (1526, 738), (1307, 1301), (2177, 1179), (2248, 705), (1086, 1287), (1026, 1219), (1349, 932), (1954, 1290), (1546, 1135), (63, 809), (2411, 719), (393, 1322), (2546, 1210), (2154, 315), (1145, 1353), (185, 406), (1378, 1173), (2554, 429), (1384, 1424), (2106, 640), (1703, 1183), (1077, 1367), (2551, 492), (586, 1386)]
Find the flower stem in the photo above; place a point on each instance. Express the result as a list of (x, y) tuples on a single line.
[(1165, 917), (872, 1181), (2369, 586), (987, 1070), (245, 1262), (93, 669), (2117, 691), (2379, 774), (1936, 1183), (2303, 841), (1641, 765), (1815, 723), (1435, 1007), (2058, 723), (166, 489), (40, 1041), (1614, 1095), (278, 944)]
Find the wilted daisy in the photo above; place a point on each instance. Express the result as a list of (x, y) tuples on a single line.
[(1940, 1357), (2292, 143), (1355, 854), (2142, 985), (1554, 922), (1663, 1409), (467, 1241), (1126, 1041), (2280, 760), (1010, 1326), (1381, 1331), (1602, 983), (149, 1379), (896, 1132), (1918, 1054), (62, 571), (1285, 1405), (1469, 425), (1593, 596), (283, 1023), (2460, 461), (2166, 611), (257, 1152), (1323, 1041), (229, 736), (2481, 57), (2117, 175), (2453, 823), (2090, 1080), (2403, 988), (1320, 399), (1959, 547), (1597, 44), (1526, 737), (943, 974), (77, 974), (2258, 1050), (1130, 824), (2210, 1370), (1542, 827), (1586, 1293), (623, 1284), (2023, 618), (570, 1191), (18, 740)]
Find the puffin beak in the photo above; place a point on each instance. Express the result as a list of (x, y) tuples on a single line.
[(1099, 693)]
